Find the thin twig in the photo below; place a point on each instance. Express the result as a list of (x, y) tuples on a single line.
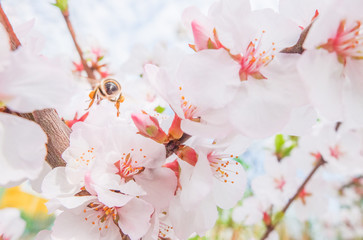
[(298, 47), (14, 41), (89, 71), (337, 126), (271, 227)]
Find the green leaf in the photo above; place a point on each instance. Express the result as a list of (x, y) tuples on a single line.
[(286, 152), (61, 4), (279, 142), (159, 109)]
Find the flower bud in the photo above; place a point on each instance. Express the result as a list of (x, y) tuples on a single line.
[(148, 126)]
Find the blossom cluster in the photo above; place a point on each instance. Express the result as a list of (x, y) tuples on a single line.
[(173, 152)]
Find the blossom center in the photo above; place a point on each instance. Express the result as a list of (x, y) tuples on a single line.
[(347, 41), (190, 111), (165, 231), (253, 59), (100, 215), (85, 158), (128, 165), (303, 194), (280, 183), (222, 169)]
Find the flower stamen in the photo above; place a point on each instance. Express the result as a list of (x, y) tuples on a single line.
[(347, 42), (220, 167), (254, 58)]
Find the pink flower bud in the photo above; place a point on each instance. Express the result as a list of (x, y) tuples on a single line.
[(148, 126), (267, 219)]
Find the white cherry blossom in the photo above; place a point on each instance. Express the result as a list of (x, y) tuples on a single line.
[(333, 61), (92, 219), (238, 65)]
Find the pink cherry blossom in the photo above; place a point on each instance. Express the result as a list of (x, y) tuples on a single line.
[(278, 183), (93, 219), (238, 66), (333, 57)]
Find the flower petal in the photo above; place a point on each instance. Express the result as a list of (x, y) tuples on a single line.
[(22, 149)]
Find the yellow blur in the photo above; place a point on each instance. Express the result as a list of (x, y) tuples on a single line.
[(31, 205)]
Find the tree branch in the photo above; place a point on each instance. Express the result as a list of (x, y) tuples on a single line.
[(14, 41), (173, 146), (57, 132), (91, 77), (271, 227)]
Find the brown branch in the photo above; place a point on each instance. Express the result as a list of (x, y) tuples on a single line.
[(172, 146), (298, 47), (57, 132), (14, 41), (271, 227), (91, 77), (337, 126), (55, 129)]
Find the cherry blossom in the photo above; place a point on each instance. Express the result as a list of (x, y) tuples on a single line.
[(120, 171), (333, 57), (278, 183), (90, 218), (340, 149), (238, 64), (186, 105), (191, 145)]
